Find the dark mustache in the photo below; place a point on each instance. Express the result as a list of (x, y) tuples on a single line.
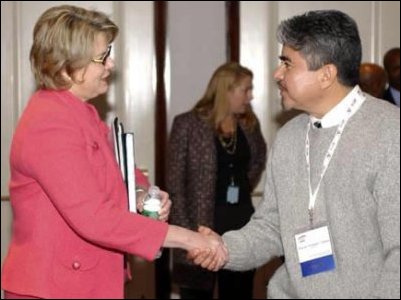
[(280, 85)]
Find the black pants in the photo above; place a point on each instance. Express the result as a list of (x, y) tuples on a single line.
[(231, 285), (189, 293), (235, 285)]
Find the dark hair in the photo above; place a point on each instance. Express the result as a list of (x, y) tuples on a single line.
[(325, 37), (389, 57)]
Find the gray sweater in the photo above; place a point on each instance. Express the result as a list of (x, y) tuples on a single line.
[(358, 200)]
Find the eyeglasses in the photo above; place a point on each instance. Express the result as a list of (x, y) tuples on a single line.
[(104, 57)]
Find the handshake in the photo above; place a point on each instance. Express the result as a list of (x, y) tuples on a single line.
[(205, 247), (208, 250)]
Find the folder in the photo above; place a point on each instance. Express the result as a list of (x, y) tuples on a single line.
[(124, 150)]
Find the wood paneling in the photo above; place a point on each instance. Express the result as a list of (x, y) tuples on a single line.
[(233, 30), (160, 18)]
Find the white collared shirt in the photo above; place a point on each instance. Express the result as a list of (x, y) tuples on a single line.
[(338, 112)]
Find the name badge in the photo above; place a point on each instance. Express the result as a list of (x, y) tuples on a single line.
[(232, 194), (314, 251)]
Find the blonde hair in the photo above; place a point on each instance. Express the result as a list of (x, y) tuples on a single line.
[(214, 106), (63, 40)]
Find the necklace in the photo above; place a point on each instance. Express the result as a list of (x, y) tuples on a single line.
[(229, 145)]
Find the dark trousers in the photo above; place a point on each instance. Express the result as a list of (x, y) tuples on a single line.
[(231, 285), (235, 285), (189, 293)]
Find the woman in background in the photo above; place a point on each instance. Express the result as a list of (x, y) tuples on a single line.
[(216, 157)]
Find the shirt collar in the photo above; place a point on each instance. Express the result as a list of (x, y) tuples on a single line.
[(396, 95), (338, 112)]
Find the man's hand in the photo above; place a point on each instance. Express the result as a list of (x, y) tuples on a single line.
[(213, 258)]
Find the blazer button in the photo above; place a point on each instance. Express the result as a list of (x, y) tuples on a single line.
[(95, 146), (76, 265)]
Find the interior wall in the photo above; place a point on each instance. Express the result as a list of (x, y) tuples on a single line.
[(196, 45)]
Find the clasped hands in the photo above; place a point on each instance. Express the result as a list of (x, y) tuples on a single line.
[(205, 247), (212, 254)]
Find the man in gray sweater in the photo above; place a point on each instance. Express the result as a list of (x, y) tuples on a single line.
[(331, 204)]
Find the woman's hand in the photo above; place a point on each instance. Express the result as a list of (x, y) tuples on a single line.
[(212, 258), (165, 203), (165, 206), (140, 198)]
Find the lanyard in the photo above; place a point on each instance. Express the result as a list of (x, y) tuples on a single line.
[(354, 106)]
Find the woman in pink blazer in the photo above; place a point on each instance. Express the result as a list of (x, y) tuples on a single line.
[(71, 224)]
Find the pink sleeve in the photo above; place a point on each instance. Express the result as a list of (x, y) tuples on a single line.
[(141, 179)]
